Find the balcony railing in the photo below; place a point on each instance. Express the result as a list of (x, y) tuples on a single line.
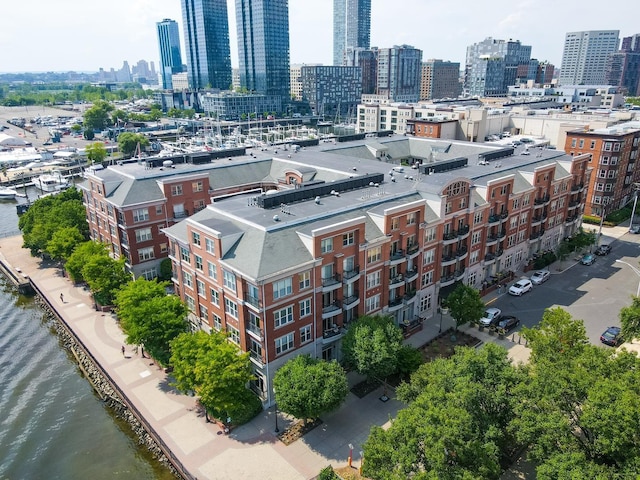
[(462, 231), (332, 307), (502, 234), (411, 249), (350, 300), (494, 219), (256, 356), (449, 235), (395, 280), (326, 282), (253, 301), (504, 215), (541, 200), (461, 252), (536, 235), (395, 302), (332, 332), (409, 295), (577, 187), (410, 275), (254, 329), (397, 254), (348, 274)]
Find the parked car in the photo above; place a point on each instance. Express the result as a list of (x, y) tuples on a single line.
[(521, 286), (611, 336), (540, 277), (635, 229), (603, 249), (508, 323), (491, 317), (526, 140), (588, 259)]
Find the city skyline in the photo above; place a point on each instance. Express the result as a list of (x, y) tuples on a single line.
[(87, 37)]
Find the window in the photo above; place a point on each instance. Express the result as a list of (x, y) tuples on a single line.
[(140, 215), (593, 144), (373, 279), (231, 308), (326, 245), (158, 209), (284, 344), (425, 303), (202, 291), (305, 307), (217, 322), (473, 258), (213, 271), (411, 218), (185, 256), (215, 297), (430, 234), (304, 280), (476, 237), (604, 160), (234, 334), (305, 334), (283, 316), (525, 200), (581, 143), (516, 203), (229, 280), (142, 235), (463, 202), (198, 260), (163, 248), (195, 238), (348, 239), (210, 246), (513, 222), (197, 186), (372, 303), (524, 218), (429, 256), (187, 279), (395, 223), (145, 254), (477, 217), (427, 278), (176, 190), (573, 142), (191, 304), (204, 314), (149, 273), (374, 254), (511, 241), (282, 288)]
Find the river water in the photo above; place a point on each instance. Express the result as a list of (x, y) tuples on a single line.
[(52, 425)]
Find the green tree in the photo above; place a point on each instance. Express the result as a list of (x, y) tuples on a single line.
[(307, 387), (630, 320), (465, 305), (63, 242), (151, 317), (372, 345), (81, 255), (50, 214), (97, 117), (128, 143), (96, 152), (215, 369), (455, 426), (105, 276)]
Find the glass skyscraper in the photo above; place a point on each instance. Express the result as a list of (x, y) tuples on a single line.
[(584, 57), (263, 46), (206, 30), (170, 57), (351, 27)]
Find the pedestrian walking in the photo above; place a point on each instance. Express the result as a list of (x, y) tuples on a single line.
[(123, 350), (142, 350), (62, 298)]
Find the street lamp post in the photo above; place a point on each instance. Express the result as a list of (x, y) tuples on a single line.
[(275, 408), (635, 270), (443, 311), (361, 462), (350, 454)]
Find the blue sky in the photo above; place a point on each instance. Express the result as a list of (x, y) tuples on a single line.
[(81, 35)]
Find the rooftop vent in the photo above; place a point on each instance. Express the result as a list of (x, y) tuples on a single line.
[(167, 163), (276, 218), (317, 200)]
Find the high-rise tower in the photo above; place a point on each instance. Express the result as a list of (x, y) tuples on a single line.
[(351, 27), (584, 57), (263, 46), (206, 30), (170, 57)]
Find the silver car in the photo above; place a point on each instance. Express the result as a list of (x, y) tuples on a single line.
[(540, 277)]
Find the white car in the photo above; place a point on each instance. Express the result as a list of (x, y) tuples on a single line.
[(491, 316), (520, 287), (540, 277)]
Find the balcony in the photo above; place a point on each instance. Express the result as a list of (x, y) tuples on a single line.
[(489, 259), (569, 220), (395, 304), (449, 238), (332, 334), (577, 188), (448, 260), (397, 257), (573, 204), (351, 301), (253, 301), (542, 200), (331, 283), (459, 274), (504, 215), (447, 280), (491, 240), (463, 232), (256, 358), (413, 250), (535, 236), (411, 275), (396, 280), (409, 295), (350, 276), (499, 253), (537, 220), (494, 220), (331, 310), (461, 253), (255, 331)]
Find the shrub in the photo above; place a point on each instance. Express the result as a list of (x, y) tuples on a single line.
[(591, 219), (327, 473), (409, 360), (247, 408)]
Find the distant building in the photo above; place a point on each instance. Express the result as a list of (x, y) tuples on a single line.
[(263, 46), (331, 90), (227, 105), (351, 27), (584, 56), (440, 79), (623, 67), (180, 81), (206, 30), (170, 57), (492, 66), (367, 60), (398, 73)]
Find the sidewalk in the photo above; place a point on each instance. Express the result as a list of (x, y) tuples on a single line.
[(250, 451)]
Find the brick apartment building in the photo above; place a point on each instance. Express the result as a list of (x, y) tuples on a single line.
[(342, 234), (614, 152)]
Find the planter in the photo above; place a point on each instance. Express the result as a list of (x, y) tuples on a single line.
[(480, 328)]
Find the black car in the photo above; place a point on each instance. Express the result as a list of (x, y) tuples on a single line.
[(507, 323), (603, 249), (611, 336)]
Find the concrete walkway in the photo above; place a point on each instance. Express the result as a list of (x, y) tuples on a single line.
[(250, 451)]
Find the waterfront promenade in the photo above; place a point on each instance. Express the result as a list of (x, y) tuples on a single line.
[(251, 451)]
